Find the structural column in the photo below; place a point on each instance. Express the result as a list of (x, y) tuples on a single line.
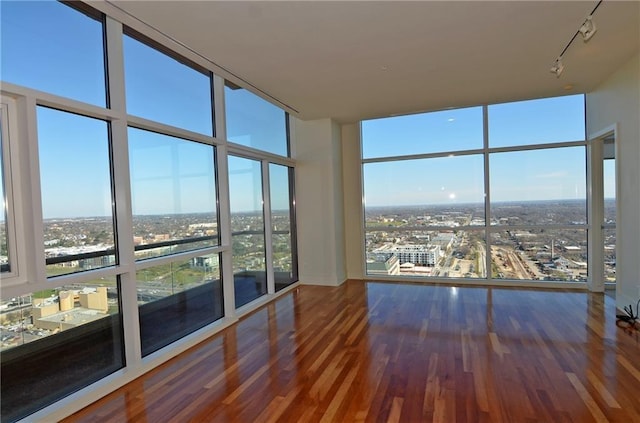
[(319, 202)]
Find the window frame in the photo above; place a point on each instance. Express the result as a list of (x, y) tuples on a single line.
[(487, 228), (207, 249), (251, 151), (12, 207), (150, 124), (110, 158)]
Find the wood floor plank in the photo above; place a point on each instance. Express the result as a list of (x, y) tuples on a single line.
[(591, 404), (602, 390), (373, 351)]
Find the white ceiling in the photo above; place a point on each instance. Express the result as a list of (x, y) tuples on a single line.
[(352, 60)]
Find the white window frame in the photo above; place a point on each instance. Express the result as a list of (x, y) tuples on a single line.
[(12, 174), (487, 228)]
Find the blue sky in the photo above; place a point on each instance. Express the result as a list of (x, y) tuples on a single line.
[(74, 170), (170, 175), (51, 47), (73, 149), (515, 176)]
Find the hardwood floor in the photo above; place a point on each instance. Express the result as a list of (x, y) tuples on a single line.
[(400, 353)]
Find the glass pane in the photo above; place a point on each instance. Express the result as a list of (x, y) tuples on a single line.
[(449, 254), (445, 191), (609, 177), (609, 180), (285, 273), (75, 179), (609, 255), (538, 187), (547, 120), (52, 47), (247, 229), (5, 263), (448, 130), (173, 192), (58, 341), (539, 254), (176, 299), (254, 122), (162, 89)]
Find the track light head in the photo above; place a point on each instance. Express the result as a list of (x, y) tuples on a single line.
[(587, 29), (557, 67)]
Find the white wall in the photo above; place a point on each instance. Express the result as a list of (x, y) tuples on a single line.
[(617, 101), (353, 214), (319, 202)]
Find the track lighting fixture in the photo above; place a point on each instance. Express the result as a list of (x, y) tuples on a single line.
[(557, 67), (587, 29)]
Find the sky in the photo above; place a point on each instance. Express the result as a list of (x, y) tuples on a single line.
[(53, 48), (56, 49), (549, 174)]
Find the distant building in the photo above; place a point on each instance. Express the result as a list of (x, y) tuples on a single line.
[(205, 263), (444, 240), (211, 225), (387, 267), (60, 313), (66, 300), (94, 300), (422, 255), (44, 310)]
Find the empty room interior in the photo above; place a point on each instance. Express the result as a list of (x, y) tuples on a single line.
[(320, 211)]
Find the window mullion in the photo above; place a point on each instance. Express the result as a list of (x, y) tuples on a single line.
[(30, 174), (595, 216), (122, 193), (224, 207), (487, 193), (268, 232)]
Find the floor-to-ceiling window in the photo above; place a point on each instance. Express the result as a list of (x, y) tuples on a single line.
[(261, 196), (173, 193), (283, 240), (111, 145), (62, 327), (247, 229), (495, 192)]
